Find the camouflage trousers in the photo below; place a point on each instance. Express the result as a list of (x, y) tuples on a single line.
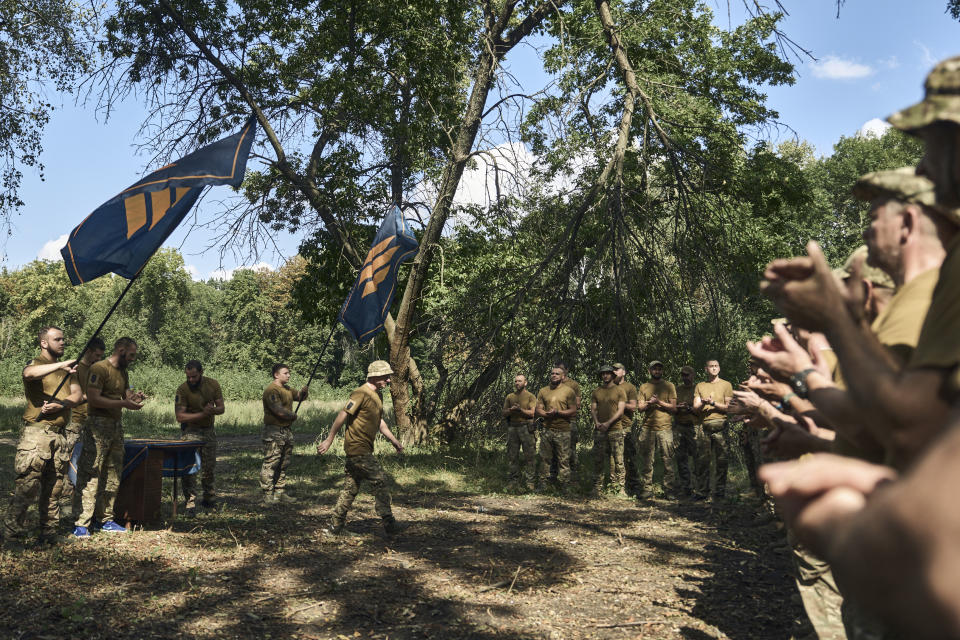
[(72, 434), (818, 591), (574, 439), (718, 437), (691, 444), (750, 445), (101, 463), (555, 443), (208, 463), (608, 445), (358, 469), (522, 437), (653, 441), (277, 451), (38, 466)]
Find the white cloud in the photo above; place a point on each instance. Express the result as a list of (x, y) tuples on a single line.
[(873, 128), (51, 250), (193, 271), (834, 68), (227, 274)]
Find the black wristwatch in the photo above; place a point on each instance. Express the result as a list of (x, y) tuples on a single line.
[(798, 383)]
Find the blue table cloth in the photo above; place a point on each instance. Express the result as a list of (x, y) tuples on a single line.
[(180, 457)]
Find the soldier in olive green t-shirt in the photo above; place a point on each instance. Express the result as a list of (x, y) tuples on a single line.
[(41, 450), (711, 399), (689, 440), (197, 401), (70, 499), (363, 417), (556, 404), (607, 403), (657, 398), (278, 415), (518, 410)]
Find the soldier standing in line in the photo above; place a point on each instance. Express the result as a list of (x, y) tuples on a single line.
[(101, 462), (631, 478), (556, 404), (197, 401), (278, 415), (574, 433), (70, 499), (658, 399), (711, 399), (606, 408), (41, 450), (689, 438), (518, 409), (363, 415)]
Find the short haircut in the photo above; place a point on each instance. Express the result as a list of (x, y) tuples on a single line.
[(277, 368), (561, 364), (124, 342), (196, 365), (96, 342), (42, 334), (707, 363)]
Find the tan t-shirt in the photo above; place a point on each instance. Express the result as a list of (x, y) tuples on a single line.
[(939, 343), (685, 395), (79, 413), (561, 398), (524, 400), (658, 418), (364, 411), (276, 393), (190, 401), (112, 383), (37, 391), (608, 399), (721, 391), (898, 327), (632, 394)]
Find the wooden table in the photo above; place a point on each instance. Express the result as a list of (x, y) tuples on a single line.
[(146, 463)]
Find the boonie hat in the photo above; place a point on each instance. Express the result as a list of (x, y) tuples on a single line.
[(619, 365), (654, 363), (871, 274), (903, 185), (941, 102), (379, 368), (606, 369)]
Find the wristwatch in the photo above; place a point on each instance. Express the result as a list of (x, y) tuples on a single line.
[(798, 383)]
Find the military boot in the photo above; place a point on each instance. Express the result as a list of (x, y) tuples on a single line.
[(391, 526), (280, 495), (269, 497), (334, 528)]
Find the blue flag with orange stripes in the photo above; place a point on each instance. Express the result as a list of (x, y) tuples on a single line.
[(123, 232), (365, 309)]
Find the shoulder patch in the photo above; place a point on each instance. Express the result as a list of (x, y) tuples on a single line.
[(349, 406), (176, 399), (93, 377)]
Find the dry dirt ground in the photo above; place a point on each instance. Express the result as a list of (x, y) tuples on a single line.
[(469, 565)]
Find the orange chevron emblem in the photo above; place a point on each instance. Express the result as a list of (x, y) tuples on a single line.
[(160, 203), (377, 266)]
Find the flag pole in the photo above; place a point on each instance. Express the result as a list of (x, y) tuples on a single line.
[(317, 365), (99, 329)]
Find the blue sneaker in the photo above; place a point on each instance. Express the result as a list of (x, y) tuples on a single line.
[(81, 532), (112, 527)]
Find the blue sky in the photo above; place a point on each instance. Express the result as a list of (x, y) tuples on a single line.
[(870, 61)]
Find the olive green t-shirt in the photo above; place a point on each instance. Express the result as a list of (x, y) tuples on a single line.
[(37, 391), (364, 412), (193, 401), (939, 343), (631, 393), (573, 384), (561, 398), (607, 400), (276, 393), (721, 391), (524, 400), (79, 413), (898, 326), (112, 383), (685, 395), (657, 418)]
